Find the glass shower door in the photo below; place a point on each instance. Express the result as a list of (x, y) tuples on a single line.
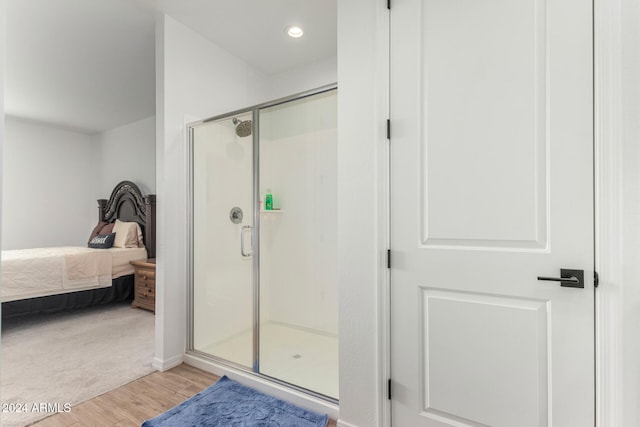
[(222, 200), (298, 243), (263, 241)]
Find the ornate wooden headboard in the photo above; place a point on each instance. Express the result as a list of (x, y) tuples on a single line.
[(128, 204)]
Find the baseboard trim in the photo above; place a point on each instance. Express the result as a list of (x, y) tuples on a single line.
[(281, 392), (164, 365), (345, 424)]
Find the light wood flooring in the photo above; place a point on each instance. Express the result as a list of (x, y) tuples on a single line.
[(137, 401)]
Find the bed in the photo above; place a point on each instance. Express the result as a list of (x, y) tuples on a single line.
[(54, 279)]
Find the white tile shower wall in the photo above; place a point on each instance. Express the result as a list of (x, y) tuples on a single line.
[(299, 245)]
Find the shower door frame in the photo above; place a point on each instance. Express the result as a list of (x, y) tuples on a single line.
[(255, 239)]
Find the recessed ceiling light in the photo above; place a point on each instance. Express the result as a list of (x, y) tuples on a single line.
[(295, 31)]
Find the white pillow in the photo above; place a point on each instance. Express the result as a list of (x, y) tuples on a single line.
[(128, 235), (140, 238)]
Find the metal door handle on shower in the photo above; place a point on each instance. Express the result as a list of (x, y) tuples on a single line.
[(242, 252)]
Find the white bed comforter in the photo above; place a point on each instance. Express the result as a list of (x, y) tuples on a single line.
[(28, 273)]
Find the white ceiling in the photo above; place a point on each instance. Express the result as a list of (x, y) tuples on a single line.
[(89, 65), (255, 30)]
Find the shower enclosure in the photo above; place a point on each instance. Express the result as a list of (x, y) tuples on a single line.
[(263, 255)]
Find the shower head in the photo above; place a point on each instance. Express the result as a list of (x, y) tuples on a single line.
[(243, 127)]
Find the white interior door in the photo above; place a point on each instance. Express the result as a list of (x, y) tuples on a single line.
[(491, 187)]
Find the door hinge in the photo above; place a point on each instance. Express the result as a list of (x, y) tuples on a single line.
[(596, 279), (388, 129), (389, 389), (388, 258)]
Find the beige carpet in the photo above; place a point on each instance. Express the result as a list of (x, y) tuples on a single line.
[(70, 357)]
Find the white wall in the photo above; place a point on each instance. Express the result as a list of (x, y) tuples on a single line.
[(303, 78), (50, 187), (631, 210), (2, 119), (128, 153), (362, 114), (47, 168)]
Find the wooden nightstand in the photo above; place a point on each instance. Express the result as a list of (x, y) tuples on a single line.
[(144, 293)]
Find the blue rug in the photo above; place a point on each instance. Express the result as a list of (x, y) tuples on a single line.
[(230, 404)]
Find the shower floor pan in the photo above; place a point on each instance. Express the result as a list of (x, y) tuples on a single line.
[(291, 354)]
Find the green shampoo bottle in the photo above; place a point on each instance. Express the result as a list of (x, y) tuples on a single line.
[(268, 201)]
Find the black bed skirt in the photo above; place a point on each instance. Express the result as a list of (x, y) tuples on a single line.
[(121, 290)]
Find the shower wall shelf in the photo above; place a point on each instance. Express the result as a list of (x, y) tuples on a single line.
[(271, 211)]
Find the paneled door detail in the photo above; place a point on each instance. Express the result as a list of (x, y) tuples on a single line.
[(491, 187)]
